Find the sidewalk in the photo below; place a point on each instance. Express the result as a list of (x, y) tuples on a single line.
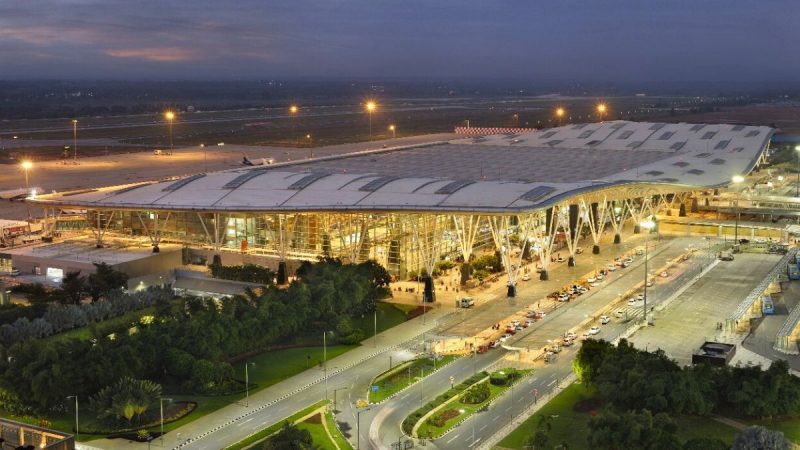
[(265, 398)]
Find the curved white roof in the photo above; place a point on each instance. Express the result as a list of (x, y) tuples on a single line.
[(498, 173)]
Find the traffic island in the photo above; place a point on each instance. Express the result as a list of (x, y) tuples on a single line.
[(390, 383), (458, 403)]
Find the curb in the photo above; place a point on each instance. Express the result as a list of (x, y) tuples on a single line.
[(415, 381)]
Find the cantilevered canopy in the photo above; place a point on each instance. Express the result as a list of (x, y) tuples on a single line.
[(497, 174)]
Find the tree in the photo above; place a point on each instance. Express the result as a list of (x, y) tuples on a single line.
[(705, 444), (759, 438), (72, 288), (127, 398), (541, 436), (289, 438), (590, 357), (632, 429), (104, 279)]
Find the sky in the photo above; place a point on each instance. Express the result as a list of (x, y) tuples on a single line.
[(537, 40)]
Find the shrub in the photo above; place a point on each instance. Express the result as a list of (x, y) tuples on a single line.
[(438, 420), (476, 394)]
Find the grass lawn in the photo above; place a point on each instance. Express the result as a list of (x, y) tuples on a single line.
[(268, 431), (398, 378), (389, 315), (464, 410), (263, 374), (572, 428), (321, 439)]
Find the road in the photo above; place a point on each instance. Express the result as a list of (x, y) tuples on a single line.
[(386, 418)]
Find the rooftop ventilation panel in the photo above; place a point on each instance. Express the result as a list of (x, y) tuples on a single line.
[(738, 128), (696, 171), (697, 127), (625, 134), (717, 161), (244, 178), (680, 164), (182, 182), (548, 134), (722, 144), (454, 186), (654, 173), (377, 183), (657, 126), (677, 145), (753, 133), (537, 193), (307, 180)]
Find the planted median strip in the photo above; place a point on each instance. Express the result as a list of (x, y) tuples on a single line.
[(459, 402), (404, 375)]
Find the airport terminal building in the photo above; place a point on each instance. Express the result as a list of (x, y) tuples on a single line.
[(408, 207)]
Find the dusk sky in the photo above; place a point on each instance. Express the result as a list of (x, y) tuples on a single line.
[(603, 40)]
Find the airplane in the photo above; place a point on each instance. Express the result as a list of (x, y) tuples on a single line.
[(257, 162)]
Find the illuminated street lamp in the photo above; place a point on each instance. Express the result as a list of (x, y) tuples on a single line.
[(170, 116), (737, 179), (293, 110), (560, 114), (26, 166), (647, 225), (393, 129), (601, 110), (75, 138), (371, 106)]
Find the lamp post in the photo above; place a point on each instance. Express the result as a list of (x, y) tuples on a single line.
[(75, 138), (247, 383), (797, 152), (737, 179), (647, 225), (161, 401), (334, 397), (393, 129), (27, 166), (358, 427), (601, 110), (310, 145), (170, 116), (560, 114), (371, 106), (293, 109), (77, 432)]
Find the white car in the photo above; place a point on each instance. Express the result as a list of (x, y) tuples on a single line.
[(600, 277), (591, 280), (569, 335), (650, 282), (594, 330), (612, 267), (526, 277), (663, 274), (640, 251), (604, 320), (563, 298)]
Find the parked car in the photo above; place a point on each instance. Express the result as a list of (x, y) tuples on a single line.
[(526, 277), (519, 328), (612, 267), (664, 274), (594, 330), (14, 272), (569, 335), (604, 319), (494, 344), (567, 342)]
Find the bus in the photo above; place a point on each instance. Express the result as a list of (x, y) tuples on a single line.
[(767, 306)]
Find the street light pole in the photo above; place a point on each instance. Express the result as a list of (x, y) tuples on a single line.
[(370, 108), (736, 180), (170, 116), (247, 383), (647, 225), (375, 328), (75, 138), (797, 154), (161, 401), (358, 427), (77, 431)]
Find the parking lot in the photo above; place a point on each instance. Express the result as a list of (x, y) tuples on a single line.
[(692, 317)]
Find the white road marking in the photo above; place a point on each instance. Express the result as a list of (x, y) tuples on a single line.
[(453, 438), (481, 428)]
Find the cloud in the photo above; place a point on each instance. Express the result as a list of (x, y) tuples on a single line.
[(159, 54)]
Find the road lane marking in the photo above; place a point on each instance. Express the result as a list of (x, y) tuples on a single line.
[(453, 438), (551, 383), (495, 418), (481, 428)]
